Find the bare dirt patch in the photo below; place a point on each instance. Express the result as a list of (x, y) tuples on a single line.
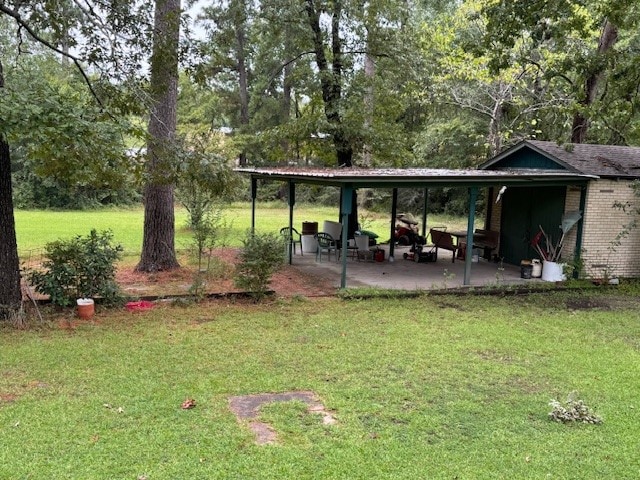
[(287, 282), (605, 303), (8, 397)]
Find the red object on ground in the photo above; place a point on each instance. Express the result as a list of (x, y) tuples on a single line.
[(139, 306)]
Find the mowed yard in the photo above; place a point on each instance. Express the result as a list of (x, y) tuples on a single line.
[(437, 387), (35, 228), (431, 387)]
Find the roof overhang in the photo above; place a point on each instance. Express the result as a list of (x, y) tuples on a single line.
[(417, 177)]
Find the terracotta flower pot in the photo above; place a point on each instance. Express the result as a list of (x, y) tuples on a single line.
[(86, 308)]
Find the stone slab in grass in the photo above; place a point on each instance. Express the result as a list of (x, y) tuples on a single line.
[(247, 408)]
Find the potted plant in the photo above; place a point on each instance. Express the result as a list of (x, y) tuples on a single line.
[(551, 252)]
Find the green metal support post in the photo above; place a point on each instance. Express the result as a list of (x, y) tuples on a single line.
[(394, 212), (424, 213), (254, 194), (473, 196), (292, 202), (345, 210)]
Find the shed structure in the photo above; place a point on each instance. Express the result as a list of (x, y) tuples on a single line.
[(350, 179), (607, 201)]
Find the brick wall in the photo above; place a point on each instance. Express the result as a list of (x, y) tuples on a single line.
[(602, 222)]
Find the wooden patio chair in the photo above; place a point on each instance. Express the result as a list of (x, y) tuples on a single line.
[(443, 240)]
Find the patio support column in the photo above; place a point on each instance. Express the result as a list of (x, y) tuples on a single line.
[(292, 202), (424, 213), (577, 253), (345, 211), (473, 196), (254, 194), (394, 212)]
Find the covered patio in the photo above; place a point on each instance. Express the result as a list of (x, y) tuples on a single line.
[(350, 179), (408, 275)]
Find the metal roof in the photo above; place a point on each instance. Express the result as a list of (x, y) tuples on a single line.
[(601, 160), (415, 177)]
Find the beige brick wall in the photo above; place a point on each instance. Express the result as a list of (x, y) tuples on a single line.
[(602, 222), (571, 203)]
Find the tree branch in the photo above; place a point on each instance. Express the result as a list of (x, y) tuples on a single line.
[(23, 24), (556, 74)]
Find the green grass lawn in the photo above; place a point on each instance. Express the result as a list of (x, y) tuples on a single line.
[(439, 387), (36, 228)]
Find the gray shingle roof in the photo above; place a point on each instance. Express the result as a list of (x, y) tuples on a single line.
[(601, 160)]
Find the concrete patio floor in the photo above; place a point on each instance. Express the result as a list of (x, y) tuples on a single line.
[(404, 274)]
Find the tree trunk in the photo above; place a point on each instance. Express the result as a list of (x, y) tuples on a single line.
[(243, 80), (331, 81), (287, 90), (158, 247), (10, 294), (608, 38), (369, 73), (331, 84)]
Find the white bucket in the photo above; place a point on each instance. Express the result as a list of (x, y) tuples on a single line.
[(309, 244), (552, 272)]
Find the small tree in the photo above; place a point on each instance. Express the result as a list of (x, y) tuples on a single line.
[(261, 256), (205, 234), (80, 267), (204, 179)]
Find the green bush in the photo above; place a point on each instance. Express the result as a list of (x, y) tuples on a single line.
[(82, 267), (261, 256)]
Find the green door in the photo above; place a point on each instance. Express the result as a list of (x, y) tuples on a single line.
[(524, 209)]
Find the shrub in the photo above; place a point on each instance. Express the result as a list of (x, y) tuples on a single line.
[(261, 256), (79, 267)]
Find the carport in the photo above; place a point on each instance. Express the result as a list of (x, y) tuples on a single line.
[(349, 180)]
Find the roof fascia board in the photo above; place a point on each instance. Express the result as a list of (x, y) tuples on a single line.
[(428, 183)]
